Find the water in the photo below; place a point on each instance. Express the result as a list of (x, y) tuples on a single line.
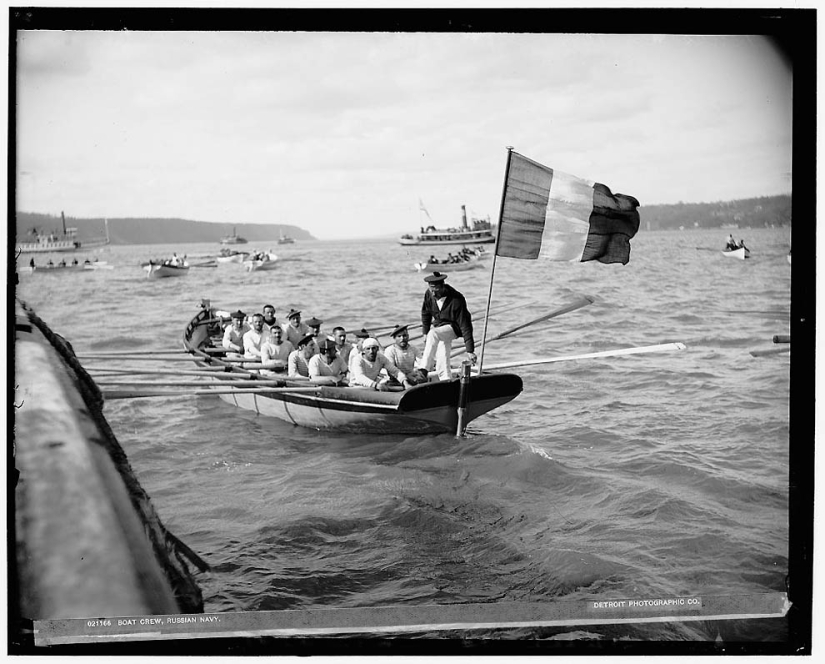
[(649, 475)]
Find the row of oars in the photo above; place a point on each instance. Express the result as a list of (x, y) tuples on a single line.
[(239, 376)]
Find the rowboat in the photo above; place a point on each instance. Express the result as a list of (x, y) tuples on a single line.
[(449, 267), (741, 253), (426, 408), (480, 233), (268, 262), (163, 270), (231, 256)]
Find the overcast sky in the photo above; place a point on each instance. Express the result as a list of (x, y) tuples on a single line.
[(342, 134)]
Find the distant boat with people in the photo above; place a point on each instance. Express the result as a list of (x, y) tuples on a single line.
[(285, 239), (62, 267), (480, 231), (466, 259), (233, 239), (734, 249), (170, 267), (42, 242), (260, 260)]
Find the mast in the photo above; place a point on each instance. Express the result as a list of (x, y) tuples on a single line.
[(464, 218), (63, 217), (495, 254)]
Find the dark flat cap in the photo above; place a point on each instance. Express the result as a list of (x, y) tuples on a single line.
[(399, 329), (238, 314), (435, 277), (293, 312), (313, 322)]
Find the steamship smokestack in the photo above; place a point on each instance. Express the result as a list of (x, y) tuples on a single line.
[(464, 218)]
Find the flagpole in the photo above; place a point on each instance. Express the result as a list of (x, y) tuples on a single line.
[(495, 255)]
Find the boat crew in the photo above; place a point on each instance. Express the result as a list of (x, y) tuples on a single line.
[(731, 245), (298, 364), (365, 370), (269, 317), (294, 329), (233, 335), (253, 338), (275, 352), (404, 356), (444, 317), (326, 368)]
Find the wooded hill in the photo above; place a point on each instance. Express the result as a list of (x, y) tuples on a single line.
[(761, 212), (154, 231), (749, 212)]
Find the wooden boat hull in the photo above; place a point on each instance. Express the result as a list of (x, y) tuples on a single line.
[(256, 265), (57, 269), (165, 271), (427, 408), (742, 253), (235, 258)]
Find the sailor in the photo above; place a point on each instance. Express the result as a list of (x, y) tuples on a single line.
[(252, 339), (269, 317), (731, 245), (275, 352), (444, 317), (366, 369), (742, 244), (404, 356), (294, 329), (233, 335), (326, 368), (298, 364), (31, 263), (343, 347), (314, 326), (360, 336)]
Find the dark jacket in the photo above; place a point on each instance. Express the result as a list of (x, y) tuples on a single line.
[(453, 313)]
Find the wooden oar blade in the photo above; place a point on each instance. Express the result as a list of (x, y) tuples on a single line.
[(659, 348)]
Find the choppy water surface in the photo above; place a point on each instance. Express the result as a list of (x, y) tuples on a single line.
[(649, 475)]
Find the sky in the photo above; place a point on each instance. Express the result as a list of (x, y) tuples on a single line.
[(347, 134)]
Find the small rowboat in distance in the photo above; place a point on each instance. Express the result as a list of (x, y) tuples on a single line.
[(164, 270), (268, 262), (741, 253), (449, 267), (426, 408), (228, 256)]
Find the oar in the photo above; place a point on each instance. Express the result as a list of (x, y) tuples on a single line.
[(782, 338), (660, 348), (206, 264), (121, 353), (142, 358), (193, 383), (578, 304), (771, 351), (103, 372), (129, 394)]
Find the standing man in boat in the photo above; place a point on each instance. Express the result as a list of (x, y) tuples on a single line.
[(444, 317)]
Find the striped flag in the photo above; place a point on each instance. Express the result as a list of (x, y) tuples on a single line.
[(553, 215)]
